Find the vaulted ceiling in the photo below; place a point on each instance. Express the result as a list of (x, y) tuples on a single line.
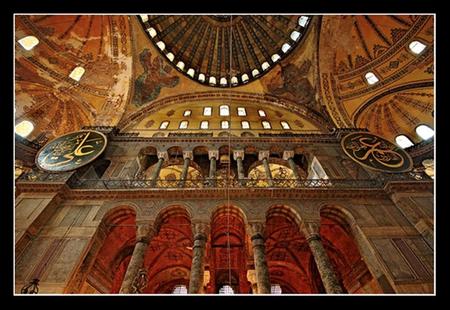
[(129, 77)]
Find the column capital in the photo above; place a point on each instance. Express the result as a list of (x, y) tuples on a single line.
[(238, 153), (288, 154), (144, 231), (213, 153), (187, 154), (263, 154), (200, 229), (256, 229), (163, 155), (311, 229)]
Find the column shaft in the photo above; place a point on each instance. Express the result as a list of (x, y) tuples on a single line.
[(293, 167), (261, 268), (212, 171), (155, 173), (240, 170), (268, 172), (136, 262), (197, 267), (184, 172)]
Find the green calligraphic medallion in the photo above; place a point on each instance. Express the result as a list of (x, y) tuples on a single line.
[(71, 151), (374, 152)]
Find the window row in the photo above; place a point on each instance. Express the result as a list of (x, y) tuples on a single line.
[(224, 125), (225, 289), (224, 110), (423, 131)]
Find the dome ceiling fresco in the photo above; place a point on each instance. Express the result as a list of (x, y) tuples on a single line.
[(225, 50)]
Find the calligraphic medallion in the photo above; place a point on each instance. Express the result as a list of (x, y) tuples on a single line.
[(374, 152), (71, 151)]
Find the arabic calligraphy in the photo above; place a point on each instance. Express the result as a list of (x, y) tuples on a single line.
[(375, 152), (71, 151)]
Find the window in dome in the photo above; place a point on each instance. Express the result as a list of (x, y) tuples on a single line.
[(224, 124), (24, 128), (275, 289), (207, 111), (295, 35), (164, 125), (245, 125), (191, 72), (303, 20), (201, 77), (255, 72), (204, 125), (371, 78), (180, 65), (224, 110), (244, 77), (161, 45), (265, 66), (77, 73), (152, 32), (266, 125), (261, 113), (285, 125), (417, 47), (403, 141), (180, 289), (29, 42), (424, 132), (223, 81), (241, 111), (275, 57), (144, 17), (226, 289), (170, 56), (212, 80), (234, 80), (183, 125), (285, 47), (187, 113)]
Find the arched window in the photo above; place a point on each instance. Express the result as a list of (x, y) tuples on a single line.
[(275, 289), (201, 77), (285, 47), (417, 47), (187, 113), (224, 110), (245, 125), (144, 17), (234, 80), (226, 289), (77, 73), (24, 128), (285, 125), (241, 111), (170, 56), (191, 72), (371, 78), (265, 66), (261, 113), (266, 125), (295, 35), (207, 111), (255, 72), (180, 289), (224, 124), (204, 125), (164, 125), (180, 65), (403, 141), (424, 132), (212, 80), (275, 57), (303, 21), (29, 42), (244, 77), (183, 125), (152, 32), (161, 45), (223, 81)]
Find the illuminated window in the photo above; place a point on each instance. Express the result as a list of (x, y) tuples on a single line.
[(285, 47), (180, 289), (417, 47), (170, 56), (285, 125), (180, 65), (187, 113), (183, 125), (224, 110), (144, 17), (241, 111), (224, 124), (371, 78), (164, 125), (152, 32), (403, 141), (201, 77), (226, 289), (234, 80), (255, 72), (261, 113), (303, 20), (275, 57), (24, 128), (77, 73), (212, 80), (295, 35), (207, 111), (275, 289), (245, 125), (223, 81), (266, 125), (29, 42), (244, 77), (424, 132), (204, 125), (191, 72), (161, 45), (265, 66)]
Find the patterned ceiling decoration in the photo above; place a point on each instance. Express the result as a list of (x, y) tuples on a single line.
[(205, 47)]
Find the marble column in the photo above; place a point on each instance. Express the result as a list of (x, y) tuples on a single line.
[(289, 156), (144, 234), (187, 155), (264, 156), (196, 279), (155, 174), (259, 255), (238, 156), (213, 155), (326, 270)]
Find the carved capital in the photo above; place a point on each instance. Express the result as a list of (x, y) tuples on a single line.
[(187, 154), (263, 154), (200, 229), (238, 153), (288, 154), (144, 231), (213, 153), (163, 155), (311, 229), (256, 229)]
